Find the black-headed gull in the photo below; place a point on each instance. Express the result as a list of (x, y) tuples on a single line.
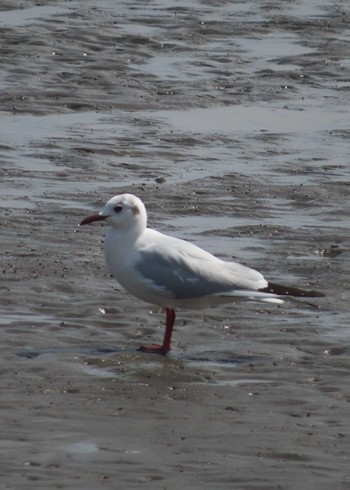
[(170, 272)]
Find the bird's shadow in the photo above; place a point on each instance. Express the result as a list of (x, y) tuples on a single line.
[(211, 357)]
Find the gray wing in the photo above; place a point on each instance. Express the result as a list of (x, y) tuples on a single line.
[(189, 272)]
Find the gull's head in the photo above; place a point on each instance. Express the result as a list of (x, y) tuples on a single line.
[(122, 212)]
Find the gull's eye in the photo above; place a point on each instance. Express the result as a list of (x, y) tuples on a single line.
[(118, 208)]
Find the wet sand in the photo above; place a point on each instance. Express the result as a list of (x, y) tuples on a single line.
[(230, 121)]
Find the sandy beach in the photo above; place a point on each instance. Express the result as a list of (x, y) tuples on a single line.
[(230, 120)]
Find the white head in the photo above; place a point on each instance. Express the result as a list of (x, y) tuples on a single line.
[(124, 212)]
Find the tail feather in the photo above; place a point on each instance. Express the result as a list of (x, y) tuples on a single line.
[(290, 291)]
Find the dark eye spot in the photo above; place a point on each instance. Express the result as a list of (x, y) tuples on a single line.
[(118, 208)]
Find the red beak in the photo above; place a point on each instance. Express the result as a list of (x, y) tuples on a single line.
[(92, 218)]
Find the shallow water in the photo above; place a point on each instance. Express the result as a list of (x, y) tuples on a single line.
[(230, 120)]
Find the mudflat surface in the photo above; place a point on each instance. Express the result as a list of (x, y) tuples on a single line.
[(231, 121)]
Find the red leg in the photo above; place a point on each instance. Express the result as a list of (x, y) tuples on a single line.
[(170, 320), (165, 347)]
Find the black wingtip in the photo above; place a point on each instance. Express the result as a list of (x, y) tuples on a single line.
[(290, 291)]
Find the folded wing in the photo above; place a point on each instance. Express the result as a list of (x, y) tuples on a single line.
[(186, 271)]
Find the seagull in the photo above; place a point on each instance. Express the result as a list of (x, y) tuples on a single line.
[(173, 273)]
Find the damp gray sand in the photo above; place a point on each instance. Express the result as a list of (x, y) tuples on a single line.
[(230, 121)]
